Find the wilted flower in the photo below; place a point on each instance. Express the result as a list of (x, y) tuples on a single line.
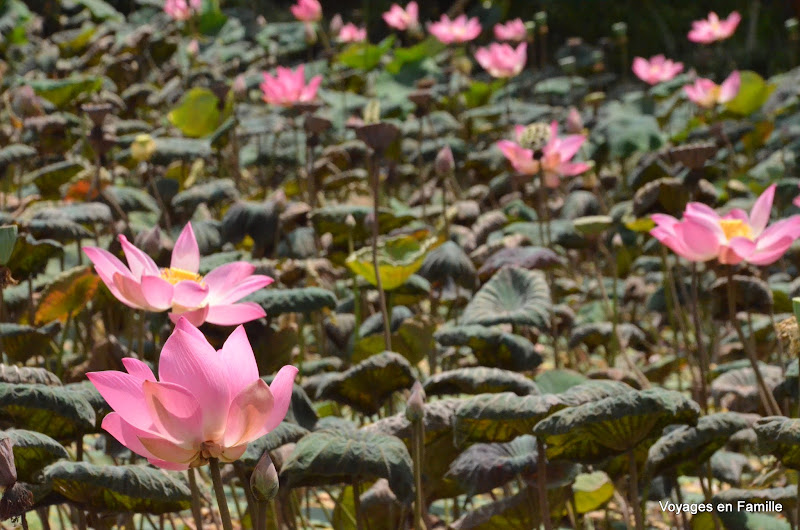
[(707, 94), (179, 288), (143, 147), (513, 30), (402, 19), (501, 60), (713, 29), (704, 235), (289, 87), (307, 10), (181, 9), (457, 30), (352, 33), (206, 403), (8, 470), (656, 70)]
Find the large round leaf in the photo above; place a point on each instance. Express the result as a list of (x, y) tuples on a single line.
[(596, 430), (780, 437), (33, 451), (448, 261), (513, 296), (286, 432), (483, 467), (26, 374), (334, 457), (30, 256), (304, 300), (21, 342), (130, 488), (197, 113), (478, 380), (46, 409), (398, 258), (367, 385), (492, 346), (67, 294)]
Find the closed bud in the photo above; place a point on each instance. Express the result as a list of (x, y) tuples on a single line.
[(444, 165), (310, 33), (264, 480), (350, 221), (193, 48), (792, 25), (239, 87), (568, 65), (616, 241), (574, 121), (541, 21), (415, 408), (8, 471), (336, 24)]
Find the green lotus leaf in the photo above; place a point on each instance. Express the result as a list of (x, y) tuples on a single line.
[(512, 296), (686, 448), (169, 150), (27, 375), (478, 380), (61, 230), (485, 466), (580, 204), (521, 257), (132, 199), (786, 496), (48, 179), (727, 466), (365, 56), (286, 432), (492, 346), (585, 391), (398, 258), (33, 451), (210, 193), (520, 510), (332, 456), (50, 410), (197, 114), (84, 213), (780, 437), (259, 220), (591, 432), (30, 256), (14, 154), (367, 385), (132, 488), (737, 389), (63, 91), (8, 240), (412, 339), (592, 225), (87, 391), (305, 300), (448, 260), (753, 93), (596, 334), (592, 491), (21, 342), (559, 380)]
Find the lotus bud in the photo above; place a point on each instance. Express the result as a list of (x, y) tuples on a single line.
[(598, 57), (444, 165), (264, 480), (574, 121), (530, 28), (311, 34), (372, 112), (280, 199), (8, 238), (415, 409), (350, 221), (616, 241), (193, 48), (239, 87), (143, 147), (8, 471), (336, 24)]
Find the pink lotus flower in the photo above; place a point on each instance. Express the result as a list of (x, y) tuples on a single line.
[(402, 19), (703, 234), (307, 10), (554, 161), (457, 30), (513, 30), (713, 29), (179, 288), (181, 9), (796, 200), (352, 33), (656, 70), (206, 403), (707, 94), (501, 60), (288, 87)]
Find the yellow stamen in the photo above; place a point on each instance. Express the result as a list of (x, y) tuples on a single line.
[(735, 228), (174, 275)]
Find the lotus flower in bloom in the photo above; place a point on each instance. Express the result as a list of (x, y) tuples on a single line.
[(656, 70), (457, 30), (713, 29), (553, 160), (501, 60), (402, 19), (704, 235), (181, 9), (179, 288), (352, 33), (707, 94), (205, 403), (307, 10), (513, 30), (289, 87)]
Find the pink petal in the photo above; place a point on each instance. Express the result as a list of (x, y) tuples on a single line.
[(232, 454), (772, 253), (700, 244), (242, 289), (730, 87), (741, 246), (226, 277), (138, 369), (190, 294), (759, 214), (237, 356), (157, 292), (175, 412), (107, 264), (234, 314), (195, 318), (167, 451), (123, 393), (281, 389), (186, 254), (130, 292), (139, 262), (126, 434), (249, 414)]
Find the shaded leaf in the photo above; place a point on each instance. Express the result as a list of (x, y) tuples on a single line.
[(478, 380), (46, 409), (512, 296)]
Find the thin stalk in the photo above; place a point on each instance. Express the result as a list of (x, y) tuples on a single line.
[(196, 513), (444, 209), (767, 399), (698, 333), (417, 437), (679, 497), (541, 484), (357, 505), (375, 179), (260, 515), (219, 490), (633, 478)]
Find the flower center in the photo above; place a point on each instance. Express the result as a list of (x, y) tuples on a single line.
[(174, 275), (735, 228)]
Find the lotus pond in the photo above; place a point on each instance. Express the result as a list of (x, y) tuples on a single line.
[(485, 266)]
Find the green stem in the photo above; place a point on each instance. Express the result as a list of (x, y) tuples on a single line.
[(219, 491), (417, 437), (633, 478), (196, 513), (698, 333), (357, 504), (387, 331), (541, 483)]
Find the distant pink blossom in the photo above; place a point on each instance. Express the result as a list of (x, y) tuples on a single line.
[(712, 29), (402, 19), (513, 30), (307, 10), (657, 70), (555, 161), (574, 121), (501, 60), (457, 30), (352, 33), (180, 288), (181, 9), (289, 87), (707, 94), (704, 235), (796, 200)]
